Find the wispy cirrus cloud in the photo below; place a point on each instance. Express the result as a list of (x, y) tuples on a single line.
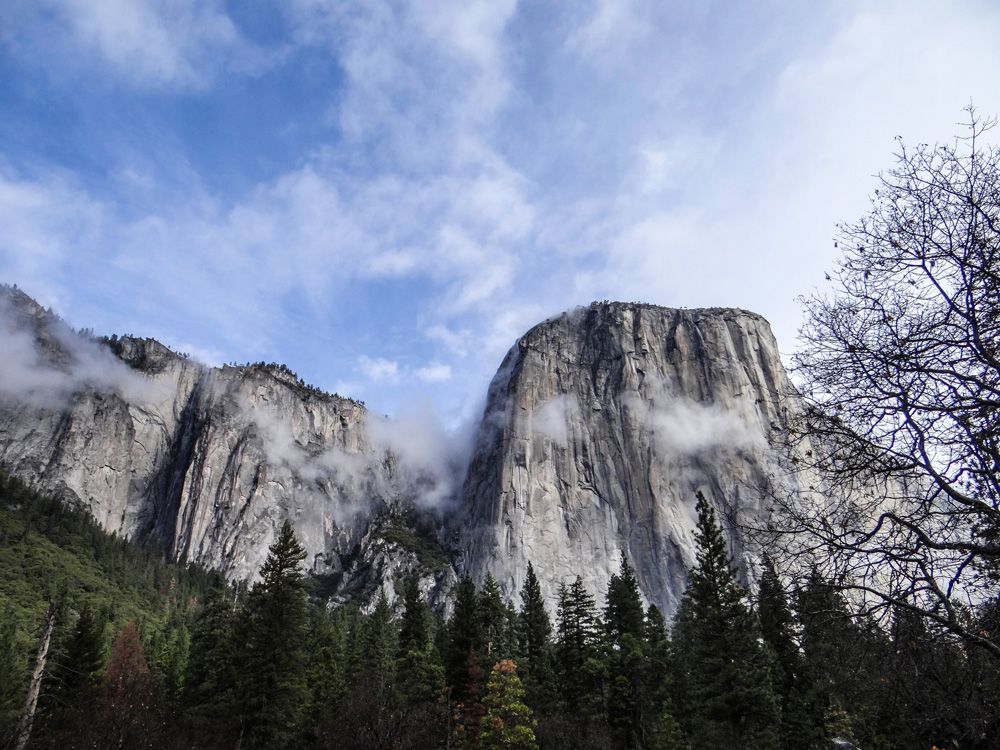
[(146, 43)]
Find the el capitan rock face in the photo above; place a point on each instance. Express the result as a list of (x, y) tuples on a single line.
[(600, 427)]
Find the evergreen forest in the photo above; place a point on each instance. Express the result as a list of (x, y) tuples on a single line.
[(120, 648)]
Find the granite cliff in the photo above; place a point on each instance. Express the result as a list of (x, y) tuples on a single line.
[(206, 463), (600, 426)]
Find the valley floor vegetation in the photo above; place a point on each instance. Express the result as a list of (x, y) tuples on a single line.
[(121, 649)]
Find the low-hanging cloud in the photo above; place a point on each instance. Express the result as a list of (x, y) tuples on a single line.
[(684, 427), (551, 419), (429, 457), (69, 363)]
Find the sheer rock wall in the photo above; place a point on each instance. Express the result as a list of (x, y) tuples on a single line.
[(600, 427)]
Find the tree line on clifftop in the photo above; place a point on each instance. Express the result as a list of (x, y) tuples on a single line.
[(183, 660)]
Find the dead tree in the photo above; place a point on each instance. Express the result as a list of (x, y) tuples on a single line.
[(22, 733)]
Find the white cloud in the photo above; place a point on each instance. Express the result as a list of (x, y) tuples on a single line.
[(742, 213), (435, 372), (456, 342), (551, 418), (45, 219), (154, 43), (686, 427), (505, 163), (378, 368), (49, 376), (431, 456)]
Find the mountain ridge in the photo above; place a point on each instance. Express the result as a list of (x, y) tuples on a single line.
[(206, 462)]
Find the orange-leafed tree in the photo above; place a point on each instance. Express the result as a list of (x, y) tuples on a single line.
[(508, 723), (128, 715)]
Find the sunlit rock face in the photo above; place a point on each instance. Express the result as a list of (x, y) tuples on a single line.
[(205, 463), (600, 427)]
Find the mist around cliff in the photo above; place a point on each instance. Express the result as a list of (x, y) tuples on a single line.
[(430, 457), (680, 426), (44, 365)]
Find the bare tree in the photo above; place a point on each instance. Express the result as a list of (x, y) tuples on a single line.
[(22, 733), (900, 366)]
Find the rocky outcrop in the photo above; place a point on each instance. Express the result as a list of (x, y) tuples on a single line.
[(204, 463), (600, 427)]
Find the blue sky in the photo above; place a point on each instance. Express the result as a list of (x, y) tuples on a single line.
[(384, 195)]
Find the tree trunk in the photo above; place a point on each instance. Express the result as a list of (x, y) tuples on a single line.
[(23, 731)]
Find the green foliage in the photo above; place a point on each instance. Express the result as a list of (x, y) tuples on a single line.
[(12, 673), (429, 551), (48, 548), (535, 645), (728, 694), (378, 644), (623, 613), (666, 733), (419, 672), (197, 669), (658, 669), (327, 677), (464, 637), (170, 647), (627, 703), (414, 628), (209, 695), (801, 711), (272, 672), (580, 667), (72, 688), (508, 723), (492, 624), (837, 653)]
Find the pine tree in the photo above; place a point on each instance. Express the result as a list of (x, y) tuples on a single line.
[(801, 715), (730, 701), (658, 664), (419, 673), (273, 669), (508, 723), (210, 682), (832, 644), (535, 645), (463, 638), (172, 651), (666, 734), (414, 627), (627, 707), (378, 645), (579, 666), (73, 687), (623, 613), (492, 622), (12, 674), (326, 670)]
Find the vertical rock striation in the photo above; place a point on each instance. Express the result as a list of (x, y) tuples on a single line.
[(206, 463), (602, 424), (600, 427)]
